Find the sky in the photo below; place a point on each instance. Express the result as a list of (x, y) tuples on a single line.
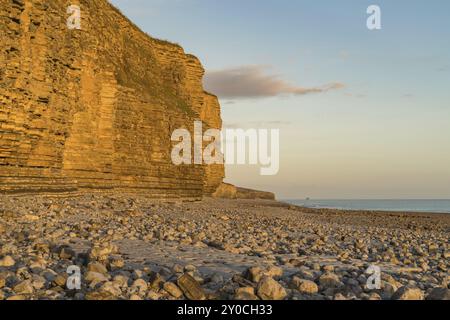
[(363, 114)]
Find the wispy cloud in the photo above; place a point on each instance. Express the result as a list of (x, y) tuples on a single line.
[(253, 82)]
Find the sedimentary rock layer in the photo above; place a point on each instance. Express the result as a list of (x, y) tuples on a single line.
[(229, 191), (95, 108)]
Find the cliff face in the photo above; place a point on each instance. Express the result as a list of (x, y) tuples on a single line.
[(95, 108), (229, 191)]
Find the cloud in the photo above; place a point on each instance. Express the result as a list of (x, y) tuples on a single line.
[(253, 82)]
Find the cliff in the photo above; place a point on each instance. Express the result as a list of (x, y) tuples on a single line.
[(94, 109), (229, 191)]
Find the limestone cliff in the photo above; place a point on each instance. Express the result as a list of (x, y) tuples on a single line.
[(95, 108), (229, 191)]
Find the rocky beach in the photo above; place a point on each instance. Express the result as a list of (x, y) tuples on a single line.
[(135, 248), (90, 162)]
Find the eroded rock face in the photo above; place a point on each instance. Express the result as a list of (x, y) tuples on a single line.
[(95, 108), (229, 191)]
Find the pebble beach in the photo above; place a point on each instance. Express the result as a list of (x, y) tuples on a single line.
[(134, 248)]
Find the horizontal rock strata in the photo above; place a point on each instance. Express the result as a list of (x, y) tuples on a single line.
[(94, 109), (229, 191)]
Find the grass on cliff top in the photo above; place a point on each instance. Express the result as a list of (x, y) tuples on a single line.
[(160, 41), (167, 95)]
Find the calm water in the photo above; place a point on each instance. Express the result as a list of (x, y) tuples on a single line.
[(378, 205)]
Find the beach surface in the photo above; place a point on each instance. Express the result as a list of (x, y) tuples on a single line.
[(131, 247)]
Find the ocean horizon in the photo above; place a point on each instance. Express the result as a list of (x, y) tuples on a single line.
[(397, 205)]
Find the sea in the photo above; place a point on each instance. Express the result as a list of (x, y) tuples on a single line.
[(432, 206)]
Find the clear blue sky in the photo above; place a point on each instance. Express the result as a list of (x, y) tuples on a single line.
[(386, 134)]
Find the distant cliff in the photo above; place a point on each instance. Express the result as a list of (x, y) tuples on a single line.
[(95, 108), (229, 191)]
